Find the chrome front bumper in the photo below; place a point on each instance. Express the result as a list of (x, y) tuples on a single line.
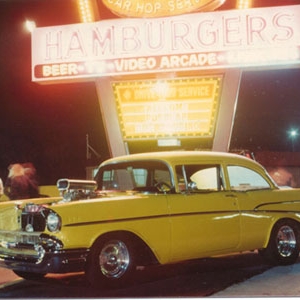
[(40, 253), (21, 245)]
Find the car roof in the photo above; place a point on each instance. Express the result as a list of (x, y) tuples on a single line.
[(179, 157)]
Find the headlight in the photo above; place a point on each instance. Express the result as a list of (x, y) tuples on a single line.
[(53, 222)]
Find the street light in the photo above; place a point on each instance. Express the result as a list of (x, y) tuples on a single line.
[(293, 133), (30, 25)]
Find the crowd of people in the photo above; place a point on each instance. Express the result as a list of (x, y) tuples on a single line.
[(21, 182)]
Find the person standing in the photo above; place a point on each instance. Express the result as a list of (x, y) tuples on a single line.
[(21, 182), (1, 187)]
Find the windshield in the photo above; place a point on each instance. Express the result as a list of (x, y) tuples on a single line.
[(144, 176)]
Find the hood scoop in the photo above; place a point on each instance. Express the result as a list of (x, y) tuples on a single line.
[(76, 189)]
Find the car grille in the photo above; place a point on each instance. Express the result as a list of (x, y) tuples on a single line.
[(33, 221)]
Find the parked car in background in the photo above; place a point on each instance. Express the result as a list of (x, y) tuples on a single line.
[(141, 209)]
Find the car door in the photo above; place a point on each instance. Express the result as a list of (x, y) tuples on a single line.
[(204, 217), (251, 189)]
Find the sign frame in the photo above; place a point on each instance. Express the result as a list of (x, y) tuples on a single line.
[(181, 107)]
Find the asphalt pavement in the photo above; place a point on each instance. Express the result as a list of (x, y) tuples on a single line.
[(277, 282), (281, 281)]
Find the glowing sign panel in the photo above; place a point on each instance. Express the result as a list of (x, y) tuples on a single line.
[(181, 107), (159, 8), (223, 39)]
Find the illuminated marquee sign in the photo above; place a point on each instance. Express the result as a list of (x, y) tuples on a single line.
[(159, 8), (223, 39), (180, 107)]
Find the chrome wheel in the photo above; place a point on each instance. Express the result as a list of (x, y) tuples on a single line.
[(283, 246), (114, 259), (286, 241)]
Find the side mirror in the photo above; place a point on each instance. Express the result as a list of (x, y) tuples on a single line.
[(192, 186)]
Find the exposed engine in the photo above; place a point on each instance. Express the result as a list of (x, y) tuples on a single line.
[(74, 189), (36, 217)]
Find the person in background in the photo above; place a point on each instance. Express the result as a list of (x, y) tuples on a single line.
[(1, 187), (21, 182)]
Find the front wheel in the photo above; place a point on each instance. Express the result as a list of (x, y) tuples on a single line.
[(283, 246), (112, 263)]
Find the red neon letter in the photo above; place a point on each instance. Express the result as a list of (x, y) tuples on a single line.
[(255, 28)]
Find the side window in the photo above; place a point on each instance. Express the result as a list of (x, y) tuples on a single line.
[(199, 178), (244, 179), (206, 179)]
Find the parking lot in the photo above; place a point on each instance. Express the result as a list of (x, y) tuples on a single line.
[(198, 278)]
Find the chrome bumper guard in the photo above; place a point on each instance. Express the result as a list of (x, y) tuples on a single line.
[(21, 245), (40, 253)]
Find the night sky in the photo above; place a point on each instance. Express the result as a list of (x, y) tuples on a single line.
[(268, 109), (47, 124), (43, 124)]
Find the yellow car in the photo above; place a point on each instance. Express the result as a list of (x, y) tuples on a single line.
[(162, 207)]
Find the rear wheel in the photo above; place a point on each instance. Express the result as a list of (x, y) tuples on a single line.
[(283, 246), (112, 263)]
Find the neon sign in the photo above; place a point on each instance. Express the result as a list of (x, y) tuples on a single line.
[(180, 107), (159, 8), (223, 39)]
